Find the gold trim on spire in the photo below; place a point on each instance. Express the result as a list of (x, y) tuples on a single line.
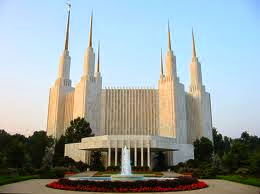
[(193, 46), (169, 37), (90, 31), (66, 47)]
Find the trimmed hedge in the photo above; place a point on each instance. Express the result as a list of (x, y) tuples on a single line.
[(140, 168), (113, 168)]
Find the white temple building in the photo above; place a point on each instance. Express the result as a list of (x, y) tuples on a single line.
[(166, 118)]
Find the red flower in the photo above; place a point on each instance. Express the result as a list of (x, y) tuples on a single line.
[(93, 188)]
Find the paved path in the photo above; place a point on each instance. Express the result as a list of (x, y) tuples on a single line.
[(37, 186), (171, 174)]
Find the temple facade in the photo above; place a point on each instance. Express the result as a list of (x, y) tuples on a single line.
[(146, 120)]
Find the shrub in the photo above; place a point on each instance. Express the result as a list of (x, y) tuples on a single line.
[(8, 171), (113, 168), (156, 169), (81, 166), (205, 173), (172, 168), (48, 175), (141, 168), (242, 171), (180, 167), (74, 169), (56, 172), (99, 168), (28, 169), (59, 171), (191, 163)]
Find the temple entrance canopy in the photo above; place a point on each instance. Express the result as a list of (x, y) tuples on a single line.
[(142, 148)]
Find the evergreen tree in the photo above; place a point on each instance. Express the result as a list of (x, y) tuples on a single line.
[(160, 163), (78, 129), (203, 149), (96, 163)]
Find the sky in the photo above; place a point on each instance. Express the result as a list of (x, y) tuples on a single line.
[(131, 35)]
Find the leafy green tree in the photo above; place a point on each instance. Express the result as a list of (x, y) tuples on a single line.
[(221, 145), (253, 142), (227, 144), (218, 142), (49, 152), (96, 163), (37, 144), (16, 154), (254, 163), (244, 153), (237, 157), (19, 137), (58, 157), (5, 139), (245, 137), (3, 160), (78, 129), (203, 149), (160, 162)]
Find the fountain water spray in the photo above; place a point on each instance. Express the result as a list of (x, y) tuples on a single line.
[(126, 166), (126, 172)]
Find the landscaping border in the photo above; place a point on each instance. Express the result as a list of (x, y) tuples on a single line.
[(179, 184)]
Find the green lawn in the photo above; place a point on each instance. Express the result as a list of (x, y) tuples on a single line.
[(12, 179), (245, 180)]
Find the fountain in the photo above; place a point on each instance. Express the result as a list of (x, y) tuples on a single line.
[(126, 172), (126, 166), (126, 181), (115, 182)]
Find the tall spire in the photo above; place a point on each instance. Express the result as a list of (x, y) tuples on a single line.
[(161, 63), (98, 57), (193, 46), (169, 37), (195, 69), (90, 31), (66, 47)]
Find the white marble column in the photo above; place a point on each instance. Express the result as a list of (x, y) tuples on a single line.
[(135, 154), (148, 155), (116, 156), (109, 155), (129, 147), (142, 153)]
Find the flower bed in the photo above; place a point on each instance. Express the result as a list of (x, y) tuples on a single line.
[(179, 184), (70, 173)]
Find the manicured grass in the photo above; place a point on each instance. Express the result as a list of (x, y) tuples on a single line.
[(237, 178), (12, 179)]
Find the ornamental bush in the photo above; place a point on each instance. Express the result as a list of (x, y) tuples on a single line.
[(140, 168), (113, 168)]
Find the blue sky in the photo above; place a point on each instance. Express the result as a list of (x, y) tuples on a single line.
[(131, 34)]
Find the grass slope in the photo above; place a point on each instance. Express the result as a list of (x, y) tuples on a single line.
[(245, 180), (12, 179)]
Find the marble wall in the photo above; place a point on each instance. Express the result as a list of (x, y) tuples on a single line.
[(129, 111)]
